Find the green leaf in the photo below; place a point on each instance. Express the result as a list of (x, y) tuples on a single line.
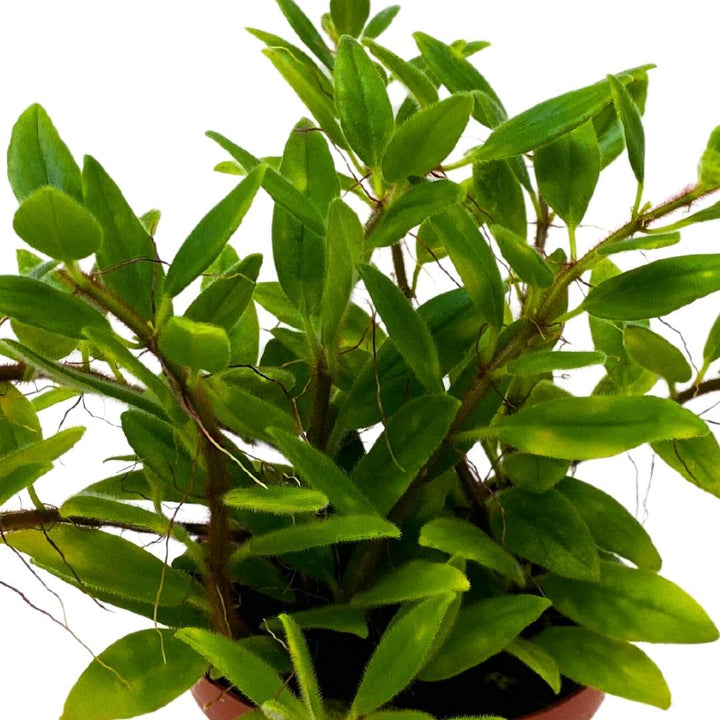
[(55, 224), (280, 189), (633, 605), (415, 580), (412, 208), (407, 330), (133, 573), (457, 74), (649, 242), (422, 142), (406, 73), (613, 528), (583, 428), (53, 397), (150, 221), (709, 170), (412, 434), (655, 289), (307, 88), (37, 156), (47, 344), (482, 630), (127, 254), (362, 102), (138, 674), (547, 121), (459, 537), (271, 297), (19, 478), (696, 459), (299, 253), (307, 32), (711, 350), (19, 423), (567, 171), (345, 238), (349, 16), (538, 660), (631, 121), (340, 618), (655, 353), (319, 471), (499, 196), (531, 267), (28, 300), (612, 666), (534, 473), (246, 671), (546, 529), (402, 715), (400, 654), (195, 344), (380, 22), (224, 301), (211, 234), (319, 533), (544, 361), (277, 500)]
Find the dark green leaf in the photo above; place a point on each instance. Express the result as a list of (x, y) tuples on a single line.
[(211, 234), (400, 654), (534, 473), (482, 630), (277, 500), (709, 170), (55, 224), (655, 289), (349, 16), (422, 142), (37, 156), (630, 604), (537, 660), (380, 22), (629, 116), (696, 459), (306, 31), (655, 353), (412, 208), (362, 103), (498, 196), (613, 528), (405, 327), (612, 666), (567, 171), (137, 674), (200, 346), (544, 361), (546, 529), (531, 267)]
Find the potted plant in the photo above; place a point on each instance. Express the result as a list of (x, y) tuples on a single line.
[(346, 556)]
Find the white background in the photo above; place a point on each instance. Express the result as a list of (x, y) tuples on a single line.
[(137, 83)]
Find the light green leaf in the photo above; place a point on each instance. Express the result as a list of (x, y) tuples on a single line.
[(150, 221), (482, 630), (246, 671), (412, 208), (349, 16), (415, 580), (612, 666), (613, 528), (711, 351), (47, 344), (655, 353), (544, 361), (17, 479), (211, 234), (137, 674), (19, 423), (306, 31), (55, 224), (37, 156), (412, 434), (277, 500), (499, 197), (631, 121), (459, 537), (583, 428), (303, 666), (648, 242), (531, 267), (406, 73), (546, 529), (319, 471), (319, 533), (83, 558), (709, 170), (696, 459), (633, 605), (195, 344), (127, 254), (400, 653), (655, 289), (422, 142), (340, 618), (567, 171), (538, 660), (534, 473), (402, 715), (28, 300), (280, 189), (52, 397), (271, 297), (380, 22), (362, 102), (407, 330)]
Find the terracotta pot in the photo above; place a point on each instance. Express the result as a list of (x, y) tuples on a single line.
[(217, 704)]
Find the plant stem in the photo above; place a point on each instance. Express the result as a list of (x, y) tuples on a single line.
[(543, 224), (704, 388), (320, 421), (400, 273)]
